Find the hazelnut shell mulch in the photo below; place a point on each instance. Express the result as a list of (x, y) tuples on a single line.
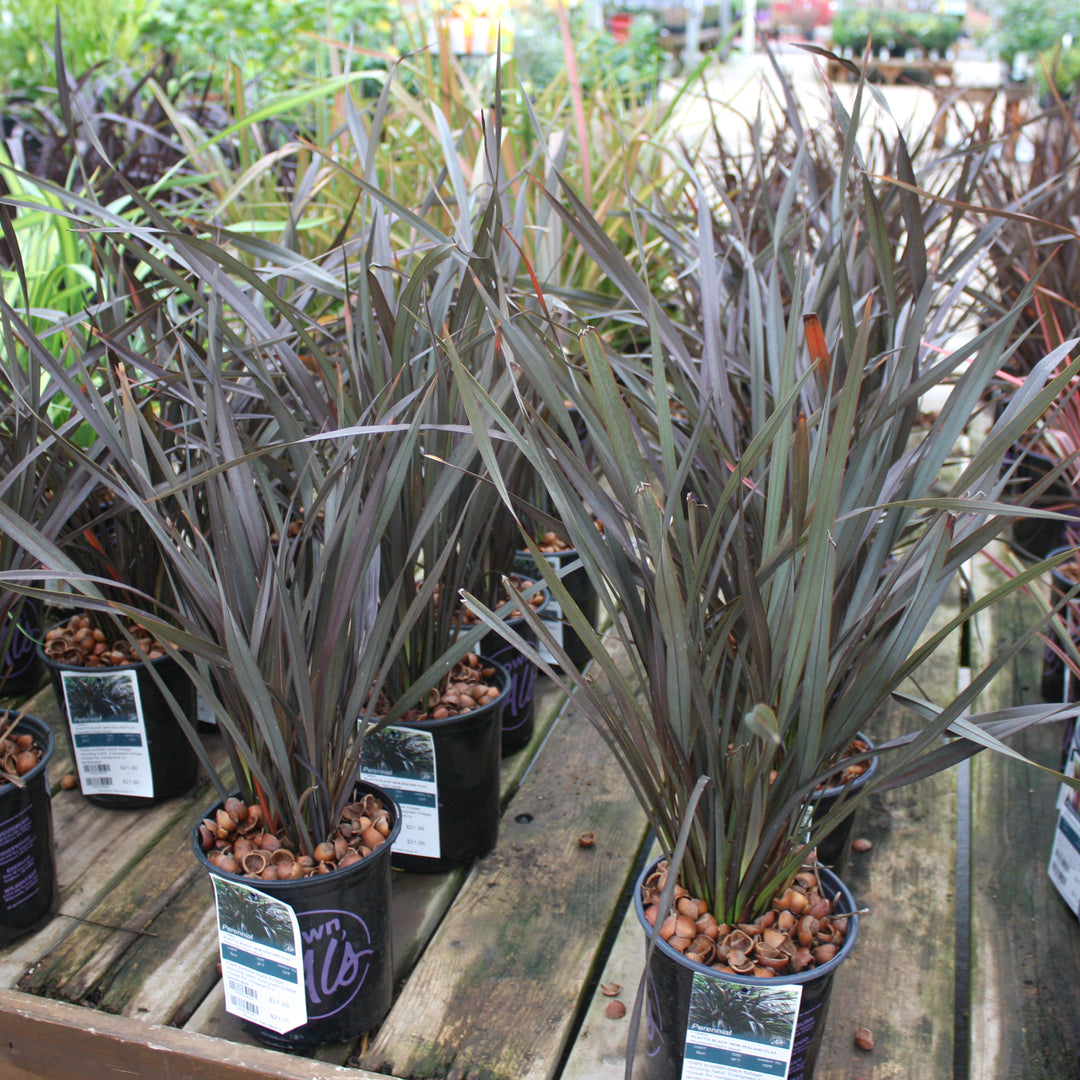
[(19, 753), (798, 932), (468, 687), (237, 841), (78, 643)]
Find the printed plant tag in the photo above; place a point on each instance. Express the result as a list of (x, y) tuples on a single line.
[(739, 1032), (553, 616), (402, 762), (261, 957), (108, 732), (1064, 869)]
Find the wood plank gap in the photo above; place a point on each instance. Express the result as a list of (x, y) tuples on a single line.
[(623, 910), (962, 947)]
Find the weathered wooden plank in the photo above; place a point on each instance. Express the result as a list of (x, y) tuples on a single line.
[(145, 878), (899, 981), (89, 839), (1025, 1011), (599, 1050), (420, 900), (52, 1040), (523, 934), (163, 975)]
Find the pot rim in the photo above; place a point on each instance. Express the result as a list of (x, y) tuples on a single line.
[(464, 718), (809, 975), (858, 782), (38, 727), (60, 666), (272, 888)]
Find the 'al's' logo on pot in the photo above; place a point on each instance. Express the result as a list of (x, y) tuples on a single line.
[(337, 955)]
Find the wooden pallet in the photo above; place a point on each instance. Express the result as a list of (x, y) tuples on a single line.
[(964, 966)]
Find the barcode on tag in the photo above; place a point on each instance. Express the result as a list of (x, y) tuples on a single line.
[(97, 767), (242, 996), (1059, 868)]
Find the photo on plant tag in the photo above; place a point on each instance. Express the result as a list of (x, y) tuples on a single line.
[(98, 699), (400, 753), (757, 1014), (250, 914)]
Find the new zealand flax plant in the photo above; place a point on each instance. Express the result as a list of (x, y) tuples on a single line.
[(296, 455), (33, 484), (779, 524), (281, 603)]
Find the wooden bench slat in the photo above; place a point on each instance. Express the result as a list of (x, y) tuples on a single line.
[(161, 979), (54, 1040), (1025, 1010), (496, 991), (899, 980), (148, 880), (599, 1051)]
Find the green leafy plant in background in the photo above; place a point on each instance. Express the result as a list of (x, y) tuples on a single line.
[(854, 26), (1059, 68), (277, 46), (1035, 26), (96, 33)]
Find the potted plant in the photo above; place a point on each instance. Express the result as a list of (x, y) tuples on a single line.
[(129, 748), (777, 560), (284, 640), (443, 536), (28, 884), (302, 591)]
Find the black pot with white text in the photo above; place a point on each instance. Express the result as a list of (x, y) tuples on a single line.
[(28, 885), (445, 776), (344, 920), (711, 1019), (129, 749)]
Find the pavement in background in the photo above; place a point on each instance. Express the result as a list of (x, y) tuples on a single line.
[(744, 83)]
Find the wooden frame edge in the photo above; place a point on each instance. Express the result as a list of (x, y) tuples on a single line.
[(53, 1040)]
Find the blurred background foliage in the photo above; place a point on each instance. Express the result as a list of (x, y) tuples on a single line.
[(282, 43)]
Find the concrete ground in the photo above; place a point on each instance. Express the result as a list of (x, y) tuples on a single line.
[(743, 82)]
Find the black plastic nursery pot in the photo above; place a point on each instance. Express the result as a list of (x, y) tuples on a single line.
[(583, 593), (21, 671), (345, 920), (1052, 683), (518, 712), (832, 851), (450, 804), (800, 1001), (134, 753), (28, 887), (1037, 537)]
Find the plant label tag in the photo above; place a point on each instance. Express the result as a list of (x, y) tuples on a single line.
[(739, 1032), (402, 762), (108, 733), (1064, 869), (552, 616), (262, 966)]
